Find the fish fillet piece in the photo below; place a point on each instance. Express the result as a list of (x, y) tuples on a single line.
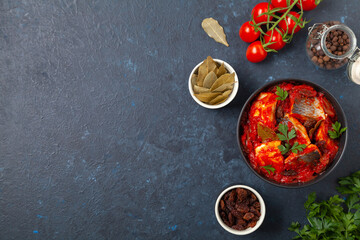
[(269, 153), (305, 108), (309, 154), (328, 107), (263, 109), (323, 136), (301, 134)]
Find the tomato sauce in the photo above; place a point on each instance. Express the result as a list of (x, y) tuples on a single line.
[(306, 111)]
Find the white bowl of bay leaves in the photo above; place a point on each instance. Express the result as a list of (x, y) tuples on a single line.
[(213, 83)]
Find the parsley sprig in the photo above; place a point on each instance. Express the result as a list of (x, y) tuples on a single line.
[(269, 168), (335, 218), (282, 94), (298, 147), (286, 136), (337, 130)]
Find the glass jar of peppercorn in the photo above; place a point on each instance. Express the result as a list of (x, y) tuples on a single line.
[(331, 45)]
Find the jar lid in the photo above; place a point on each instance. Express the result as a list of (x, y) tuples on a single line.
[(353, 68)]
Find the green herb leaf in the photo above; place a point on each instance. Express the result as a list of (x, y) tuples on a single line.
[(298, 147), (350, 184), (295, 226), (334, 218), (310, 201), (292, 134), (283, 128), (282, 137), (286, 136), (337, 130), (281, 93), (284, 149), (269, 168)]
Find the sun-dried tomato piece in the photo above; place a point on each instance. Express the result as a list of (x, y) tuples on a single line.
[(232, 196), (257, 205), (226, 196), (240, 221), (237, 214), (252, 224), (243, 208), (223, 215), (231, 219), (222, 205), (230, 205), (253, 198), (239, 227), (241, 194), (226, 222), (254, 211), (248, 216)]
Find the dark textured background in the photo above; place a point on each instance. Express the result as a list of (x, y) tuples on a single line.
[(100, 139)]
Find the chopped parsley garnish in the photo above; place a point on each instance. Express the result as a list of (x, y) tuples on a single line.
[(337, 130), (269, 168), (282, 94), (286, 136)]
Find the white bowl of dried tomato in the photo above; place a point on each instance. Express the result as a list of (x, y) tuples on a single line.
[(240, 209)]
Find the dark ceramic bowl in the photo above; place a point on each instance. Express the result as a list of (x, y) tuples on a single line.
[(340, 115)]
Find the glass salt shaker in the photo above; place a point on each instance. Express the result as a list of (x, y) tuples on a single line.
[(331, 45)]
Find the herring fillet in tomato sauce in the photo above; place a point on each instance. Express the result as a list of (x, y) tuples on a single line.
[(305, 110)]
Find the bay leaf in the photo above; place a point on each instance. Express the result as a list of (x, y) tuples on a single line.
[(227, 93), (209, 80), (221, 70), (223, 79), (265, 133), (202, 72), (207, 66), (220, 98), (210, 64), (206, 97), (224, 87), (214, 30), (193, 79), (198, 89), (222, 101)]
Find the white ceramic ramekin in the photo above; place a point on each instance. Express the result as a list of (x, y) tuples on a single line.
[(232, 94), (248, 230)]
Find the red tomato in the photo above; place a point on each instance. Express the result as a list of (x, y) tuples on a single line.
[(280, 4), (247, 33), (255, 52), (291, 23), (276, 39), (307, 5), (260, 9)]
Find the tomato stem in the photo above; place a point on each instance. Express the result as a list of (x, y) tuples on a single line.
[(285, 14)]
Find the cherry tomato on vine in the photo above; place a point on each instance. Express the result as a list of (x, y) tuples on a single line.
[(290, 23), (255, 52), (308, 5), (247, 33), (259, 9), (280, 4), (276, 39)]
